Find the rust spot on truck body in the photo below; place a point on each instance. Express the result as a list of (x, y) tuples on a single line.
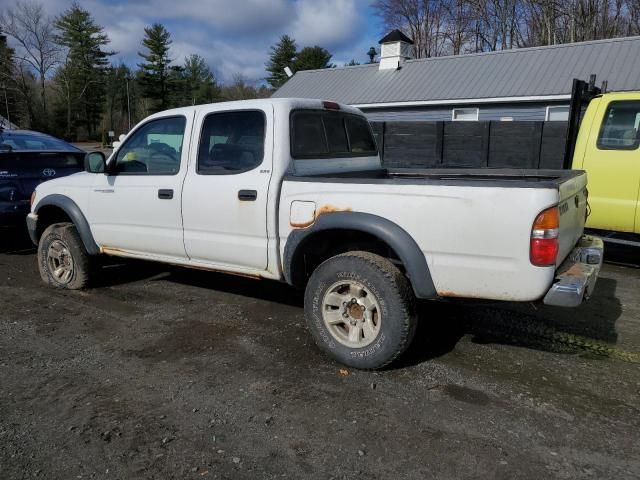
[(448, 294), (112, 251), (302, 224), (575, 270), (320, 211)]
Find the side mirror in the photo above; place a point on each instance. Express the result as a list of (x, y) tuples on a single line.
[(95, 162)]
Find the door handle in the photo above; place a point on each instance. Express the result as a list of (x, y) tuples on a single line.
[(165, 194), (247, 195)]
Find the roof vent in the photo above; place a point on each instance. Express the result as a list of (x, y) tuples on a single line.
[(395, 48)]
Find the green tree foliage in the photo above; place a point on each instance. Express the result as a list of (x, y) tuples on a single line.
[(84, 71), (200, 85), (311, 58), (352, 63), (281, 55), (156, 78), (119, 98)]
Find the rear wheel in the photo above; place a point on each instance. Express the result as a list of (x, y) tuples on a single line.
[(62, 259), (360, 309)]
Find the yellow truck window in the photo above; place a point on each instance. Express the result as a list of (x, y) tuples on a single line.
[(620, 127)]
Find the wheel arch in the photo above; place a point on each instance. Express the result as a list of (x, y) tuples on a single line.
[(55, 208), (375, 232)]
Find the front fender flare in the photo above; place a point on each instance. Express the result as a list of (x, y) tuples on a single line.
[(75, 214), (392, 234)]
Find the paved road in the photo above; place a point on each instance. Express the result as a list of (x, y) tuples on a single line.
[(169, 373)]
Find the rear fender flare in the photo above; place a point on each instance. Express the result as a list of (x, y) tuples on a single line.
[(385, 230)]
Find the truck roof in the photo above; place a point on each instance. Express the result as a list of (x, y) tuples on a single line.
[(279, 103)]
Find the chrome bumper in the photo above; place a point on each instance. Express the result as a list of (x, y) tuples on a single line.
[(576, 277)]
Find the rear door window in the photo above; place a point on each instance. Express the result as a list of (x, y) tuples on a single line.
[(231, 142), (327, 134)]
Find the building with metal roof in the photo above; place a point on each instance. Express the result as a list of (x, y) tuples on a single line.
[(519, 84)]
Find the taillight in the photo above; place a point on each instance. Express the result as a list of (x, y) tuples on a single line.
[(544, 238)]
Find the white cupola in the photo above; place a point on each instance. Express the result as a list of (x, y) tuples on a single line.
[(395, 48)]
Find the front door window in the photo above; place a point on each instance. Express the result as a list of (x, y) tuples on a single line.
[(154, 149)]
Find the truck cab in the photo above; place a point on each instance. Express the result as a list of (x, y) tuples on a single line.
[(608, 148)]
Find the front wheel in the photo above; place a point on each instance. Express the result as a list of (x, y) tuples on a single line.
[(360, 309), (62, 259)]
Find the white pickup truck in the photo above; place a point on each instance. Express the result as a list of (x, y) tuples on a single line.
[(294, 190)]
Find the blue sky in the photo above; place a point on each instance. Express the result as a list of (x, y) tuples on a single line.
[(234, 36)]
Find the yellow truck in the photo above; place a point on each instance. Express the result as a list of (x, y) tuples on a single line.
[(604, 140)]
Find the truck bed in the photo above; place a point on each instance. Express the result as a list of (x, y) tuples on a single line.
[(472, 225)]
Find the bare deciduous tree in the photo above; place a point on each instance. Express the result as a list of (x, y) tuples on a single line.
[(452, 27), (33, 31), (421, 20)]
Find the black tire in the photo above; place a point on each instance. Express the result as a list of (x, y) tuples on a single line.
[(392, 293), (66, 237)]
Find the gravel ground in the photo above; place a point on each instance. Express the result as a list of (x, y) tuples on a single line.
[(168, 373)]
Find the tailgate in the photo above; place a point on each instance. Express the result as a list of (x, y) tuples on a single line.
[(573, 211)]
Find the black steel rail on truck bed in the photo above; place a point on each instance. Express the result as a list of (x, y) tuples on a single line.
[(581, 94)]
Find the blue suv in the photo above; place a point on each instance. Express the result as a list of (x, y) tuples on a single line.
[(27, 159)]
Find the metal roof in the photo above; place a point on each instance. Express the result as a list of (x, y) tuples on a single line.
[(526, 72)]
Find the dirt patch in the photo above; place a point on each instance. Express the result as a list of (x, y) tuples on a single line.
[(169, 373), (188, 337)]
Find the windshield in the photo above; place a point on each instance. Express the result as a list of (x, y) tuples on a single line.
[(15, 142)]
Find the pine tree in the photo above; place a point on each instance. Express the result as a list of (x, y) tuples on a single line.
[(200, 84), (85, 68), (281, 55), (312, 58), (155, 72)]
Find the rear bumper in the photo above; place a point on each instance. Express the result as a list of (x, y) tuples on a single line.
[(576, 278)]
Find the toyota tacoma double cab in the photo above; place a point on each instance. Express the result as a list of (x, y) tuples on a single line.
[(294, 190)]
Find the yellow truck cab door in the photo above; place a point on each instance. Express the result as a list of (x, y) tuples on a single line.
[(608, 149)]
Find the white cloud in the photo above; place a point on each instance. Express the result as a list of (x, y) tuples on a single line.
[(234, 36), (126, 37), (329, 23)]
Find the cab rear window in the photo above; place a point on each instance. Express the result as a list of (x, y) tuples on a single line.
[(327, 134)]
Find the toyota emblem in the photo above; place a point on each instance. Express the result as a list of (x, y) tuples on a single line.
[(48, 172)]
